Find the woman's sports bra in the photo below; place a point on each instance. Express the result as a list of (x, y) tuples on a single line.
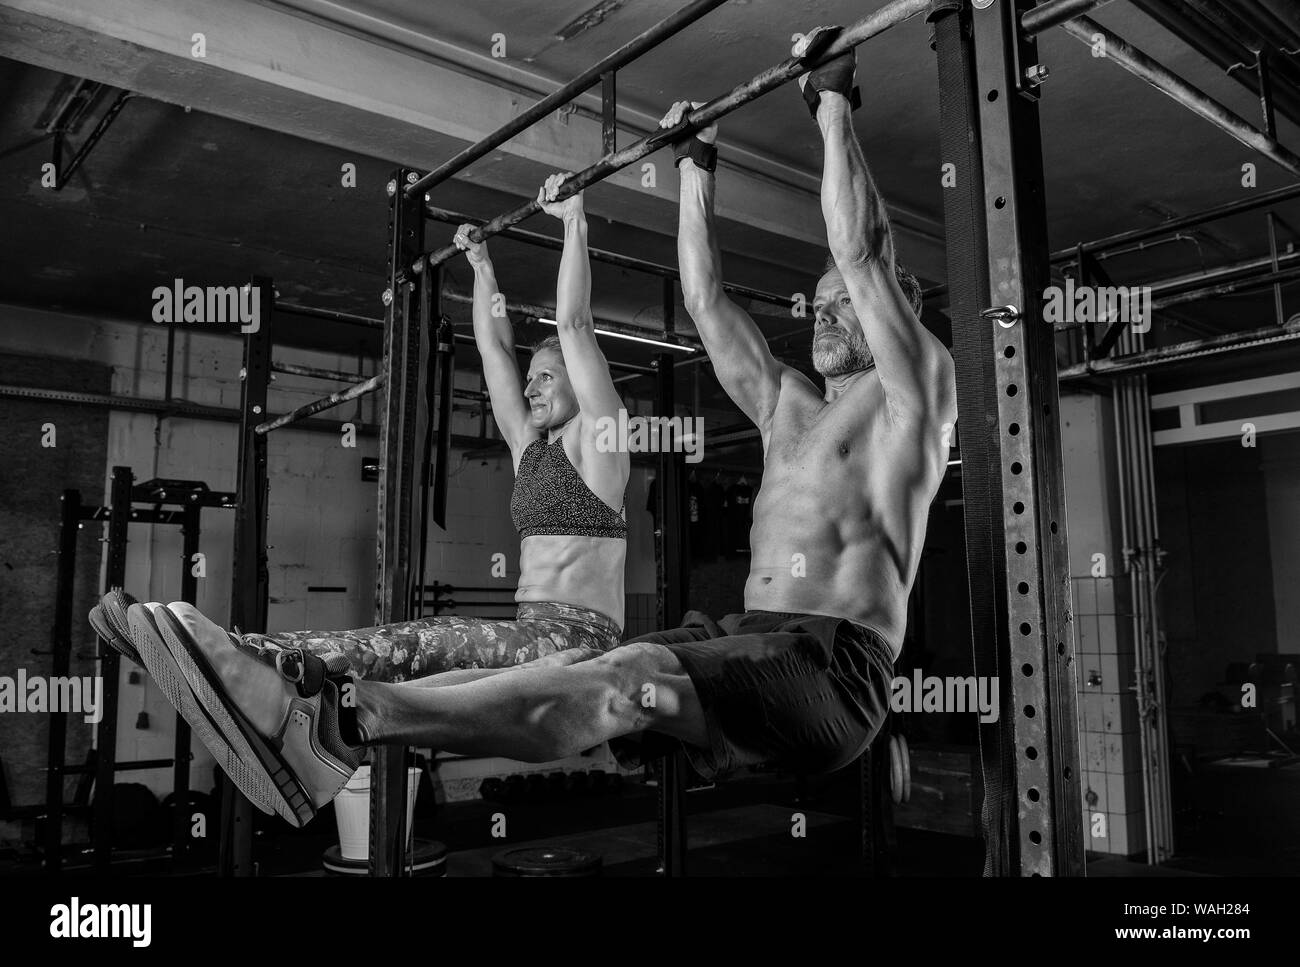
[(550, 497)]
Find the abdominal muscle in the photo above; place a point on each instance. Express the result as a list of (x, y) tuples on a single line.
[(586, 572), (806, 562)]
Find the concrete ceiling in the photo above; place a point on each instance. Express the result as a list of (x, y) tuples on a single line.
[(248, 179)]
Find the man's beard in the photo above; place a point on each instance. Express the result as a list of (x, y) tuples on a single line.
[(841, 356)]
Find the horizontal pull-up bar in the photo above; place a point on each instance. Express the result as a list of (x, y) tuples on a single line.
[(603, 255), (333, 315), (325, 403), (1194, 99), (629, 52), (877, 23)]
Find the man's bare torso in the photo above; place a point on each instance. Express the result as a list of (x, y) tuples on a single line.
[(839, 522)]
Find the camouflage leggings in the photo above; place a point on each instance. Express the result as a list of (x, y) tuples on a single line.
[(415, 649)]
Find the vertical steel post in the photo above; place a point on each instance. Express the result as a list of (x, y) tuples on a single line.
[(1279, 310), (181, 754), (672, 815), (61, 644), (415, 606), (1266, 94), (1270, 128), (671, 565), (445, 356), (249, 573), (867, 811), (56, 157), (1048, 830), (608, 112), (106, 738), (402, 440), (983, 532), (672, 806), (1089, 324)]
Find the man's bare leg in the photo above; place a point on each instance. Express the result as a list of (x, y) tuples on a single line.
[(541, 713)]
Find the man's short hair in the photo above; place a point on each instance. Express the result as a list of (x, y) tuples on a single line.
[(550, 342), (906, 281)]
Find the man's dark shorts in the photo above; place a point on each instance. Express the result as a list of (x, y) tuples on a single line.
[(808, 692)]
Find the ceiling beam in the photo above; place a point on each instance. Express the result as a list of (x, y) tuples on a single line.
[(271, 67)]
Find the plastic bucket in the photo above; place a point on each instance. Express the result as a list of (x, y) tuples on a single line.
[(352, 812)]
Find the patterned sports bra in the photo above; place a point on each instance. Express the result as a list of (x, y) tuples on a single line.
[(550, 497)]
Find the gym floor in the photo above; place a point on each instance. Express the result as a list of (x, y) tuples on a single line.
[(736, 828)]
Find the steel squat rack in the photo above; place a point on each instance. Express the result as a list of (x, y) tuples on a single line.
[(995, 229), (169, 502)]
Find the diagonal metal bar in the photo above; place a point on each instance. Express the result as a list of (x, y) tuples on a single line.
[(92, 139), (626, 54), (324, 403), (887, 16)]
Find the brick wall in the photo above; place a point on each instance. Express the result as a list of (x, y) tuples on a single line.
[(31, 488)]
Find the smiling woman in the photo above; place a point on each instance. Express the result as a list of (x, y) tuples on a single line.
[(567, 503)]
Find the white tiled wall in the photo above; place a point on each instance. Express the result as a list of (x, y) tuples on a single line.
[(1111, 780)]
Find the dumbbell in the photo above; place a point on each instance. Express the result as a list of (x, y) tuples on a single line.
[(556, 786), (579, 784), (516, 788), (536, 787)]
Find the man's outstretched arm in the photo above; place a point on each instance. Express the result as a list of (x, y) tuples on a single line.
[(744, 364), (915, 370)]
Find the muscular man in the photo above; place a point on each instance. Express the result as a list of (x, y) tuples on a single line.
[(849, 471), (802, 676)]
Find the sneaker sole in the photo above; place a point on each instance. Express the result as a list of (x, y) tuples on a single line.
[(115, 605), (166, 672), (290, 800), (110, 636)]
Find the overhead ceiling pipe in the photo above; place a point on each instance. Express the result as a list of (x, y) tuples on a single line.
[(1192, 219), (1142, 65), (1226, 51), (1053, 13)]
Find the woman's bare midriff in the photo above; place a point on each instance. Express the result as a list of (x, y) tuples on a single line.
[(586, 572)]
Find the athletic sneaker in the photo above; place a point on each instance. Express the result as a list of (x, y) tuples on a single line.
[(108, 618), (280, 709), (148, 644)]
